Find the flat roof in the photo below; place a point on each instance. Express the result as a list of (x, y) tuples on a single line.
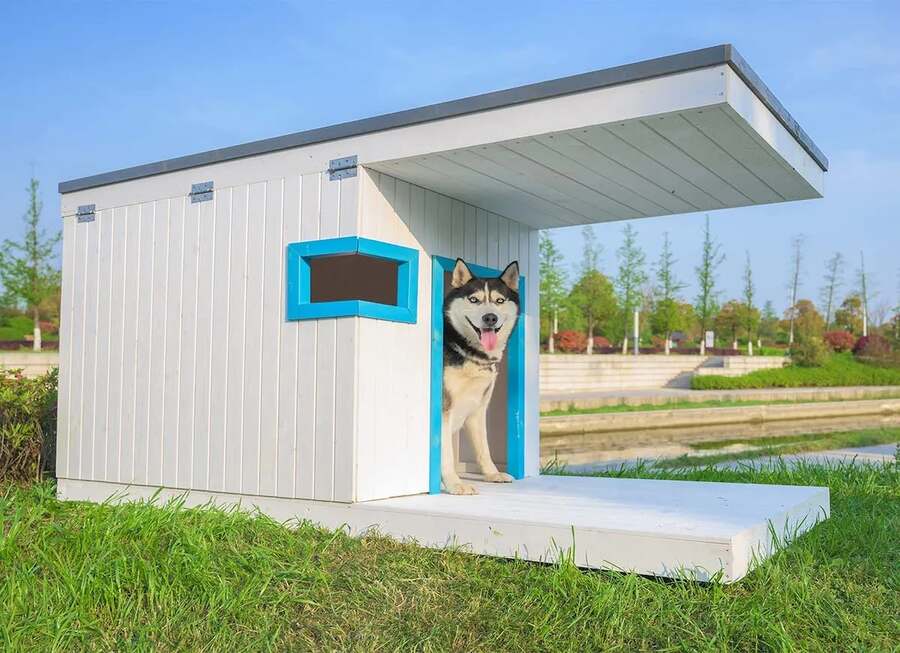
[(676, 63)]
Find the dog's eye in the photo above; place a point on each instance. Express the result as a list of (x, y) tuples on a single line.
[(499, 300), (473, 299)]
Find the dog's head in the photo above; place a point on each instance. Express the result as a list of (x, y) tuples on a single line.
[(483, 311)]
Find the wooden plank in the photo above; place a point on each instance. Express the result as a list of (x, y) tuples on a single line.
[(118, 230), (544, 177), (344, 405), (173, 344), (481, 237), (639, 134), (594, 168), (616, 145), (349, 203), (129, 347), (253, 319), (502, 243), (218, 335), (66, 333), (458, 233), (272, 301), (143, 341), (720, 127), (159, 288), (326, 344), (189, 344), (680, 132), (288, 358), (101, 369), (206, 345), (234, 413), (90, 346), (487, 192), (470, 230), (417, 214), (305, 465)]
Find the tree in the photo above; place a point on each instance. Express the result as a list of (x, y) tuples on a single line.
[(666, 317), (631, 278), (849, 316), (795, 282), (730, 319), (591, 251), (768, 323), (552, 286), (864, 293), (808, 321), (751, 314), (593, 297), (27, 269), (834, 278), (706, 304)]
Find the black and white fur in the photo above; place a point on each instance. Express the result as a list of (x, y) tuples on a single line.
[(479, 315)]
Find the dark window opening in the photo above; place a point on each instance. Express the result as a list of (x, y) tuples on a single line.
[(353, 276)]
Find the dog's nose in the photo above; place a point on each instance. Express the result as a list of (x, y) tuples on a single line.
[(489, 320)]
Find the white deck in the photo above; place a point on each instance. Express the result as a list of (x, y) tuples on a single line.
[(660, 528)]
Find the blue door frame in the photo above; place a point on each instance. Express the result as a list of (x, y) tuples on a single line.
[(515, 350)]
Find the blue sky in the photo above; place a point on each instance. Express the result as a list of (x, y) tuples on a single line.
[(90, 87)]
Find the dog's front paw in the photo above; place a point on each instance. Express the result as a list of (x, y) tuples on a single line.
[(498, 477), (461, 488)]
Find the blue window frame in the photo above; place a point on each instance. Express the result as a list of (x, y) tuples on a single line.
[(515, 351), (299, 302)]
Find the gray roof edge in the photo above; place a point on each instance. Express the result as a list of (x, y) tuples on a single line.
[(676, 63)]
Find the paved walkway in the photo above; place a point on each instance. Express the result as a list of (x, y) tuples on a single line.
[(874, 455), (552, 401)]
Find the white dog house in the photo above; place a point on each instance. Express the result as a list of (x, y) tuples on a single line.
[(261, 323)]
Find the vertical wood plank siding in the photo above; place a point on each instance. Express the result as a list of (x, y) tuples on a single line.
[(178, 368), (393, 367)]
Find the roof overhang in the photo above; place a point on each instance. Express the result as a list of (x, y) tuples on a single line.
[(695, 131)]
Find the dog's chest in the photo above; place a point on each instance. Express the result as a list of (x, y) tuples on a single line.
[(467, 385)]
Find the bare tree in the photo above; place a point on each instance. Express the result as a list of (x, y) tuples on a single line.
[(834, 279), (865, 292), (706, 304), (750, 312), (794, 285)]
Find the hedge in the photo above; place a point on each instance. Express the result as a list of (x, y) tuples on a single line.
[(27, 426), (840, 370)]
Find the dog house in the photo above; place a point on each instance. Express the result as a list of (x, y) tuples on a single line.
[(262, 323)]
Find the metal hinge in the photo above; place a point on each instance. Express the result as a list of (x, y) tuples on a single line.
[(86, 213), (201, 192), (342, 168)]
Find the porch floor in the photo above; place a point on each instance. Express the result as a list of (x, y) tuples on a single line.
[(700, 530), (653, 527)]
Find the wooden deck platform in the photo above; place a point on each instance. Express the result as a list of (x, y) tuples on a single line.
[(660, 528)]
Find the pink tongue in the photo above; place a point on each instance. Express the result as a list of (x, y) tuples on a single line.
[(488, 339)]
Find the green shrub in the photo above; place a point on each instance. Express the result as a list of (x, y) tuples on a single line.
[(839, 370), (809, 352), (27, 426)]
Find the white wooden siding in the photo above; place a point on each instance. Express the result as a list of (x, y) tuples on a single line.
[(178, 367), (394, 358)]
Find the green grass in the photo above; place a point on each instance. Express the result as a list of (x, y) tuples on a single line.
[(679, 405), (783, 445), (135, 577), (840, 370)]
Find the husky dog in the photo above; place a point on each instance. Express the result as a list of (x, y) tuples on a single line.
[(479, 315)]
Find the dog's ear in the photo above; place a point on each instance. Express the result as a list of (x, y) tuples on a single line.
[(461, 274), (510, 276)]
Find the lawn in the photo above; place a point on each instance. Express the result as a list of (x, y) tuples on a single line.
[(840, 370), (679, 405), (138, 577)]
